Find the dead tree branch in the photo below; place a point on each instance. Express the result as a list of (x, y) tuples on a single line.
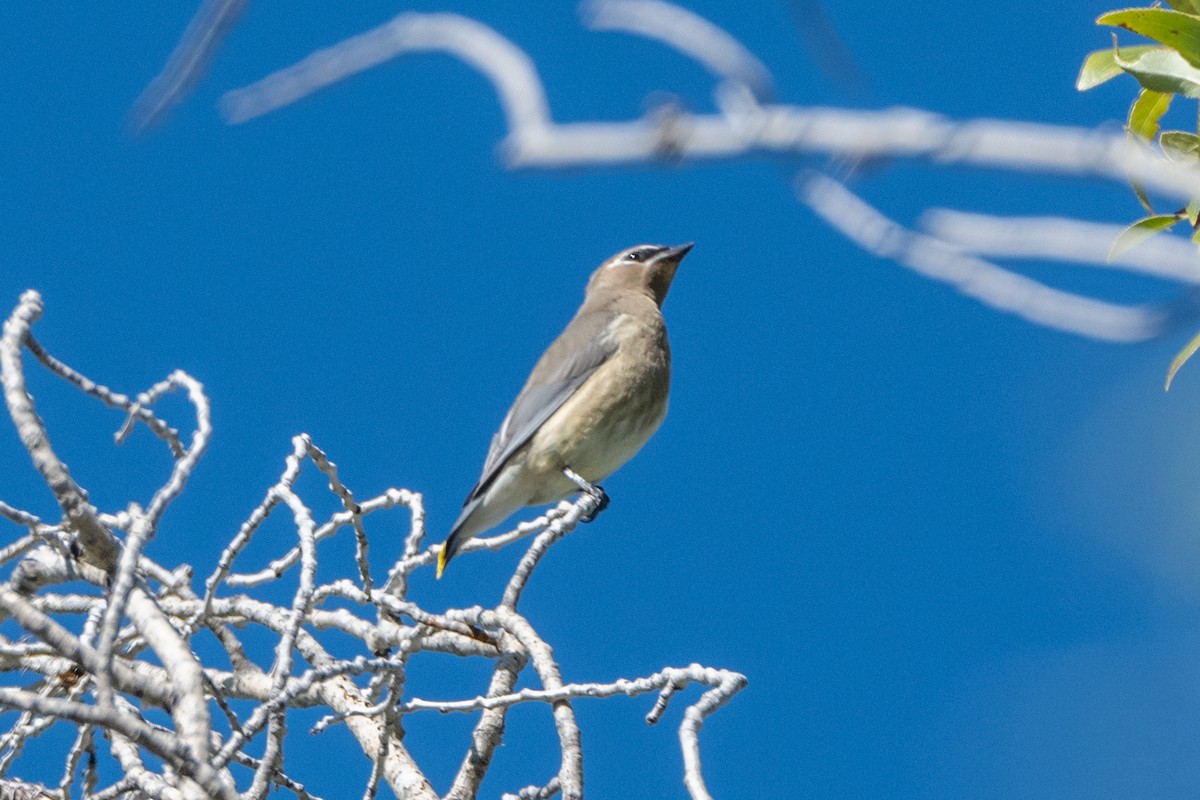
[(139, 652)]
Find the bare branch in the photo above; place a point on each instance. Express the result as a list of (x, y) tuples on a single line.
[(750, 125), (570, 774), (83, 748), (161, 744), (18, 548), (1059, 239), (723, 55), (990, 284), (509, 69), (666, 682), (184, 466), (189, 711), (135, 410), (20, 517), (329, 469), (551, 788), (187, 63), (583, 508), (745, 129), (123, 583), (301, 604), (489, 730), (67, 645), (96, 542), (390, 499), (725, 685), (19, 790)]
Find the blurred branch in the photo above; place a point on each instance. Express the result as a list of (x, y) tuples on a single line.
[(137, 652), (748, 124), (745, 127), (187, 63), (1060, 239), (986, 282), (720, 53), (509, 69)]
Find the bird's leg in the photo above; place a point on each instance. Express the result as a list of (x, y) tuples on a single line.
[(592, 490)]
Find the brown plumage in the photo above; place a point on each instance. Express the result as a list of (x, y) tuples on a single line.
[(596, 395)]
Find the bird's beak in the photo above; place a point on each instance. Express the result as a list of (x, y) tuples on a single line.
[(677, 252)]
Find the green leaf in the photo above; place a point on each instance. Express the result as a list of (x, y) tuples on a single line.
[(1140, 231), (1187, 352), (1173, 28), (1098, 67), (1192, 212), (1186, 6), (1145, 113), (1181, 147), (1160, 69), (1143, 199), (1101, 66)]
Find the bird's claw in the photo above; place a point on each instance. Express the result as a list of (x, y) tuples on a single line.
[(592, 490), (601, 498)]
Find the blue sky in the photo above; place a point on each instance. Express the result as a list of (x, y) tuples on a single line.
[(956, 555)]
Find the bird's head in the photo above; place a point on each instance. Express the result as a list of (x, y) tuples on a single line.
[(647, 268)]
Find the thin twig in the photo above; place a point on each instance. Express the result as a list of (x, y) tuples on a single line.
[(135, 410), (95, 541)]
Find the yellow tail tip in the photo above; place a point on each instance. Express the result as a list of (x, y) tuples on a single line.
[(441, 564)]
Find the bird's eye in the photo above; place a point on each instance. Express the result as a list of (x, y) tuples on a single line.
[(641, 254)]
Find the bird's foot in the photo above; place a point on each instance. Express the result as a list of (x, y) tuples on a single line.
[(592, 490), (601, 498)]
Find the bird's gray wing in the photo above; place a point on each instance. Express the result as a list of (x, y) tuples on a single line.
[(569, 361)]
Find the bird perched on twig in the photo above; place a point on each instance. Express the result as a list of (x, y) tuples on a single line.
[(596, 395)]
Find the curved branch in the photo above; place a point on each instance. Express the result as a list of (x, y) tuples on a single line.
[(130, 668), (96, 542), (509, 69), (135, 410), (1059, 239), (689, 33), (162, 744), (988, 283)]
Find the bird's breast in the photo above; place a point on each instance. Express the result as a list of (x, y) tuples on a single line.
[(608, 419)]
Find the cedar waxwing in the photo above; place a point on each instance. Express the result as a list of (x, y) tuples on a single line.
[(596, 395)]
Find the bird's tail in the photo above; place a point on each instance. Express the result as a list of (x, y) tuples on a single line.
[(445, 554), (479, 514), (459, 534)]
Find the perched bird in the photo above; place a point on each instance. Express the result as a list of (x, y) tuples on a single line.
[(596, 395)]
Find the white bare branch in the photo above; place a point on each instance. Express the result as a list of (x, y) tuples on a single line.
[(749, 125), (753, 130), (988, 283), (97, 543), (188, 62), (138, 618), (510, 70), (1060, 239), (723, 55)]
